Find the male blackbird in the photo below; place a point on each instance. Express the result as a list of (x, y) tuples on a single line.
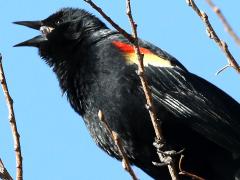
[(96, 68)]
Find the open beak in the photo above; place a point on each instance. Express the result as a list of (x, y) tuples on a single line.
[(36, 41), (31, 24)]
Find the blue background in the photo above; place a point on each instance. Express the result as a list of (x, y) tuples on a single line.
[(55, 142)]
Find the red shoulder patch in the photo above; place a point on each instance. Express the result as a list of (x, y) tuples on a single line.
[(127, 48), (149, 56)]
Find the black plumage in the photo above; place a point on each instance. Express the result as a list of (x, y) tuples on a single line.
[(96, 69)]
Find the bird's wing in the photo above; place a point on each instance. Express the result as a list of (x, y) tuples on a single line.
[(207, 109), (191, 99)]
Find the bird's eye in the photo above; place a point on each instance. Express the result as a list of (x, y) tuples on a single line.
[(58, 22)]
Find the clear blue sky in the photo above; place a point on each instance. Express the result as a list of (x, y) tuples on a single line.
[(55, 142)]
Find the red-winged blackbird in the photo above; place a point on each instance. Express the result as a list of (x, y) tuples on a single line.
[(96, 68)]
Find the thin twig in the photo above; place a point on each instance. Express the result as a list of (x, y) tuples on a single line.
[(185, 173), (156, 125), (4, 175), (148, 95), (140, 56), (224, 21), (213, 35), (115, 137), (13, 124), (222, 69)]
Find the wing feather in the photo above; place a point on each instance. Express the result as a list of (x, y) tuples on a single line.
[(198, 103)]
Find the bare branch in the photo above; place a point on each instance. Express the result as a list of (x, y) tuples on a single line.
[(140, 56), (118, 142), (149, 99), (13, 124), (4, 175), (213, 35), (224, 21), (185, 173)]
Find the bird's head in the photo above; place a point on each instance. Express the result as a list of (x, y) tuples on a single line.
[(62, 30)]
